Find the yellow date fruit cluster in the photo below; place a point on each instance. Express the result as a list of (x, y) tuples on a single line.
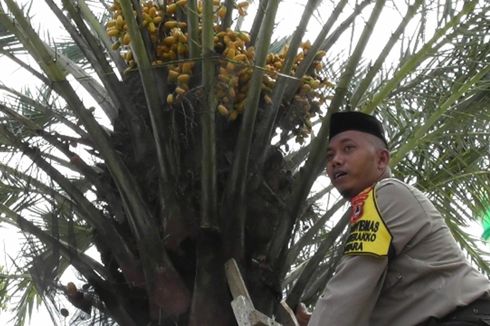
[(168, 31)]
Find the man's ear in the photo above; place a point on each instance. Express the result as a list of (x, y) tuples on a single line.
[(383, 158)]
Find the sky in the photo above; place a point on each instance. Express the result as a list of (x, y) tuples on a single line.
[(288, 17)]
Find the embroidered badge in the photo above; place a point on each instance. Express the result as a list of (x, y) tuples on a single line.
[(368, 233), (357, 204)]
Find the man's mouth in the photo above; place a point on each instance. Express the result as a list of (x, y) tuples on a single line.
[(339, 174)]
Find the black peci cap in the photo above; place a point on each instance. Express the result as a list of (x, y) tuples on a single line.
[(353, 120)]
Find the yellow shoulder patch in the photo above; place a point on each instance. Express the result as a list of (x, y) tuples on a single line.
[(368, 234)]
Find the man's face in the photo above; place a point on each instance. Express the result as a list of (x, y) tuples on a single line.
[(354, 162)]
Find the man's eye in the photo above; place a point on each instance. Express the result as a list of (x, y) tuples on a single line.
[(329, 157), (348, 148)]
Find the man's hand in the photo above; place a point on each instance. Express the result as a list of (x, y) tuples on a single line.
[(302, 315)]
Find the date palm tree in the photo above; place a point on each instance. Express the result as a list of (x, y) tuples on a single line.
[(170, 139)]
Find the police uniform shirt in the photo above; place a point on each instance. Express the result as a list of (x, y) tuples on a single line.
[(401, 264)]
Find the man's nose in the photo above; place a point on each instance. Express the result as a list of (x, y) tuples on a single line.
[(336, 159)]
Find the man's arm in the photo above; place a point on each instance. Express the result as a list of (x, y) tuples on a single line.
[(352, 293)]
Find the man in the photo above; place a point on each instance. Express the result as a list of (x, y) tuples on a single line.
[(401, 266)]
